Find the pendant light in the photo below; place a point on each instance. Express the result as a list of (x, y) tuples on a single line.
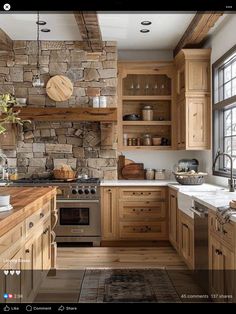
[(37, 81)]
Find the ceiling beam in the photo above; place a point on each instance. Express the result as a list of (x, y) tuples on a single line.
[(89, 28), (197, 30), (6, 43)]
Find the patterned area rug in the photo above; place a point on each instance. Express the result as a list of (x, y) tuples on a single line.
[(127, 285)]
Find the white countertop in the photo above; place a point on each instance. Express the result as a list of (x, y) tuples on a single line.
[(136, 182)]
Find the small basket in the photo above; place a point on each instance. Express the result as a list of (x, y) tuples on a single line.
[(185, 179), (63, 174)]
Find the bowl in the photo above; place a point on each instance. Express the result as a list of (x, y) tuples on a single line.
[(131, 117), (156, 141)]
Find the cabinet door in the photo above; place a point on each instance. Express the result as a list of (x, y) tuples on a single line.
[(199, 123), (46, 245), (181, 124), (186, 239), (28, 287), (109, 213), (215, 266), (198, 78), (8, 139), (173, 218), (227, 264)]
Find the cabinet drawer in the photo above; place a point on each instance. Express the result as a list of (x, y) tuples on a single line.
[(40, 215), (143, 231), (225, 232), (140, 194), (147, 210), (11, 237)]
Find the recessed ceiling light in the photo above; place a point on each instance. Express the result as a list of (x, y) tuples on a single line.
[(146, 23), (41, 23), (45, 30), (144, 30)]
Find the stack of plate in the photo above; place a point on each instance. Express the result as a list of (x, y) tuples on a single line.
[(5, 203)]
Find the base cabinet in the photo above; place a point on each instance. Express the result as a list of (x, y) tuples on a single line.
[(134, 213), (222, 260), (173, 218), (186, 239)]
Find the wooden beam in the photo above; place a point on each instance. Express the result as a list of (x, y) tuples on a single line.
[(68, 114), (6, 43), (87, 22), (197, 30)]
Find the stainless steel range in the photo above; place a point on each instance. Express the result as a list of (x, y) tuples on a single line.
[(78, 205)]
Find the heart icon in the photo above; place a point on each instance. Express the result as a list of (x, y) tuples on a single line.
[(6, 272), (18, 272), (12, 272)]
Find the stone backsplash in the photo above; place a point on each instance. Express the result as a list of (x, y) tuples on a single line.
[(43, 145)]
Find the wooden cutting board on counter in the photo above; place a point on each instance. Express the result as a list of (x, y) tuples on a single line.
[(122, 161), (133, 171)]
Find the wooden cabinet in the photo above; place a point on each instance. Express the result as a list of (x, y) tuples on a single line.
[(109, 219), (222, 259), (173, 218), (186, 239), (8, 139), (193, 99), (46, 245), (134, 213), (146, 83)]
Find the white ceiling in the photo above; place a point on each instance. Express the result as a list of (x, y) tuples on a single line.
[(165, 31), (23, 26)]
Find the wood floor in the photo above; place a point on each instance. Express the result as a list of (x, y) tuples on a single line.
[(72, 262), (135, 257)]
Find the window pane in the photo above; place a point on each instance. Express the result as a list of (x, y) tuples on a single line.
[(227, 145), (234, 69), (227, 90), (227, 73), (227, 122), (220, 78), (234, 87), (234, 121), (221, 93), (233, 146)]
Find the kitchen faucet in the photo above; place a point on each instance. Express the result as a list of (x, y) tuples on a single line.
[(231, 181)]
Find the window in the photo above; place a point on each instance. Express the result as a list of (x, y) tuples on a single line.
[(224, 110)]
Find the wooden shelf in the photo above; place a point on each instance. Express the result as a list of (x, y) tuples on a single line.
[(135, 123), (154, 97), (123, 148), (68, 114)]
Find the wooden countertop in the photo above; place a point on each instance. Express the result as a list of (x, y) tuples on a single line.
[(25, 201)]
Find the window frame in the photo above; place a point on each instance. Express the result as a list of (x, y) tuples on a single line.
[(217, 110)]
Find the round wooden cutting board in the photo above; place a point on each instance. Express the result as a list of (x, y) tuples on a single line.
[(59, 88)]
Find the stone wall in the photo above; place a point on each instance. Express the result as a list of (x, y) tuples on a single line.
[(43, 145)]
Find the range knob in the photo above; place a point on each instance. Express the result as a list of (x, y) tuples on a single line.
[(74, 191), (93, 191), (80, 191), (86, 191)]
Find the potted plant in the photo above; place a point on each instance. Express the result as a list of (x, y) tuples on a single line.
[(7, 114)]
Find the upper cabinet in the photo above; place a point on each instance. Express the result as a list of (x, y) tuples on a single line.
[(145, 111), (193, 107)]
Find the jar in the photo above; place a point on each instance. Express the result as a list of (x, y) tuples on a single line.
[(134, 141), (125, 139), (96, 102), (103, 102), (160, 174), (138, 141), (149, 174), (147, 113), (147, 140), (129, 141)]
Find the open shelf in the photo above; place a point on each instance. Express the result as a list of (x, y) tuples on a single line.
[(160, 147), (152, 97), (146, 122)]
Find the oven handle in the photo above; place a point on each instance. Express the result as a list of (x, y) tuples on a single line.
[(77, 201), (200, 214)]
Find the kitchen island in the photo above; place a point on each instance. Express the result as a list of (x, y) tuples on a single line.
[(27, 240)]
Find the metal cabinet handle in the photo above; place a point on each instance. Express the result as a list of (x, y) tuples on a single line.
[(224, 231), (27, 251), (31, 224), (186, 226), (133, 209), (41, 215)]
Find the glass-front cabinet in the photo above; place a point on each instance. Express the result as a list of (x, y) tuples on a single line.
[(145, 111)]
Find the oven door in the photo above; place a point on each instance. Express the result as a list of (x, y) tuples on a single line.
[(78, 218)]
